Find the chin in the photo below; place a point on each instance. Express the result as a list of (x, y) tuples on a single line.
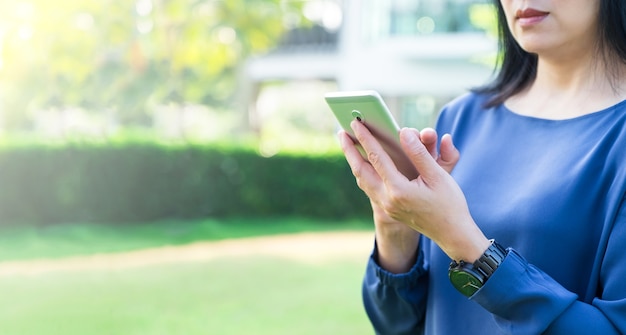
[(534, 48)]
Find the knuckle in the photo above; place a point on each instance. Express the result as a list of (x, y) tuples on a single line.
[(391, 210), (396, 198), (456, 156), (393, 202), (420, 152), (360, 183), (357, 171), (387, 206), (373, 158)]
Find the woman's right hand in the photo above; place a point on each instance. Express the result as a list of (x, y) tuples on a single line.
[(397, 242)]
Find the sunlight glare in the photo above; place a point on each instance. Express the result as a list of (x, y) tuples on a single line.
[(332, 17), (426, 25), (25, 32), (24, 10), (144, 7), (324, 12), (144, 26), (2, 33), (227, 35), (84, 21)]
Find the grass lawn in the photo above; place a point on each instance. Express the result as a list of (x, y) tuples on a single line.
[(227, 296), (230, 295)]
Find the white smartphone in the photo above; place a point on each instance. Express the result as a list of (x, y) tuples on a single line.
[(369, 108)]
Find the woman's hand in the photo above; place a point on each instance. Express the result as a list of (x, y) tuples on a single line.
[(431, 204)]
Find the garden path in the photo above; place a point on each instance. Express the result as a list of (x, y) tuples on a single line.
[(304, 247)]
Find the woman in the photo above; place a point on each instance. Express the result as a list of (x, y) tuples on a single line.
[(542, 172)]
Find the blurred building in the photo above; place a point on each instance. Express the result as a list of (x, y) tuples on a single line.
[(418, 54)]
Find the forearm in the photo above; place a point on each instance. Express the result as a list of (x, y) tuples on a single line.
[(396, 247)]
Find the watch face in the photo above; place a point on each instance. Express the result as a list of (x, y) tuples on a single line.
[(465, 282)]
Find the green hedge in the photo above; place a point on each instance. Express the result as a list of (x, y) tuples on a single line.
[(146, 182)]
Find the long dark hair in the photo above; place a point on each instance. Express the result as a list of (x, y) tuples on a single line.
[(518, 68)]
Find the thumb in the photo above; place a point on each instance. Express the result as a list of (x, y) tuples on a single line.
[(419, 155)]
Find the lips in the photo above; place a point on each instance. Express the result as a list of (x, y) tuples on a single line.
[(530, 13)]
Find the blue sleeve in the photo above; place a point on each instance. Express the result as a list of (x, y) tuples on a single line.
[(525, 300), (395, 303)]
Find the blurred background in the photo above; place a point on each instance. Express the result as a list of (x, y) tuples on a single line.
[(134, 125)]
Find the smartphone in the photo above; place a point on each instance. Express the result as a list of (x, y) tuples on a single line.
[(369, 108)]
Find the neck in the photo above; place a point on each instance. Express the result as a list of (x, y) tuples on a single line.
[(570, 72), (567, 87)]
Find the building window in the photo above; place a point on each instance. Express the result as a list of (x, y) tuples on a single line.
[(420, 17), (419, 111)]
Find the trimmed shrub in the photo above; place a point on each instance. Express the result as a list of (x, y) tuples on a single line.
[(137, 182)]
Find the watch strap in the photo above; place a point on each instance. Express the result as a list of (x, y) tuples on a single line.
[(490, 260), (470, 277)]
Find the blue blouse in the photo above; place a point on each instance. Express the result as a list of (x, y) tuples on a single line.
[(552, 191)]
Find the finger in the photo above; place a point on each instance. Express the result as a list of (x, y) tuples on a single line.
[(356, 161), (353, 156), (361, 168), (448, 154), (429, 139), (420, 156), (376, 155)]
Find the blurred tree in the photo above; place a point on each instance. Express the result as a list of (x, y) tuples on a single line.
[(127, 56)]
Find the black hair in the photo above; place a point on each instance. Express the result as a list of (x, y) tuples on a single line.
[(516, 68)]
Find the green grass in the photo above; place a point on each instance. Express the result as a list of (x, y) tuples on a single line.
[(27, 242), (228, 296), (258, 295)]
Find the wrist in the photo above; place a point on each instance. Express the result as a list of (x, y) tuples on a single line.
[(467, 245), (469, 251), (396, 248)]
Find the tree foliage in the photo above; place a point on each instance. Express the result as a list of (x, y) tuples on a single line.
[(128, 55)]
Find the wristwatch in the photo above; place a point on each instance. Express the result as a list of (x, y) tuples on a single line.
[(469, 278)]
